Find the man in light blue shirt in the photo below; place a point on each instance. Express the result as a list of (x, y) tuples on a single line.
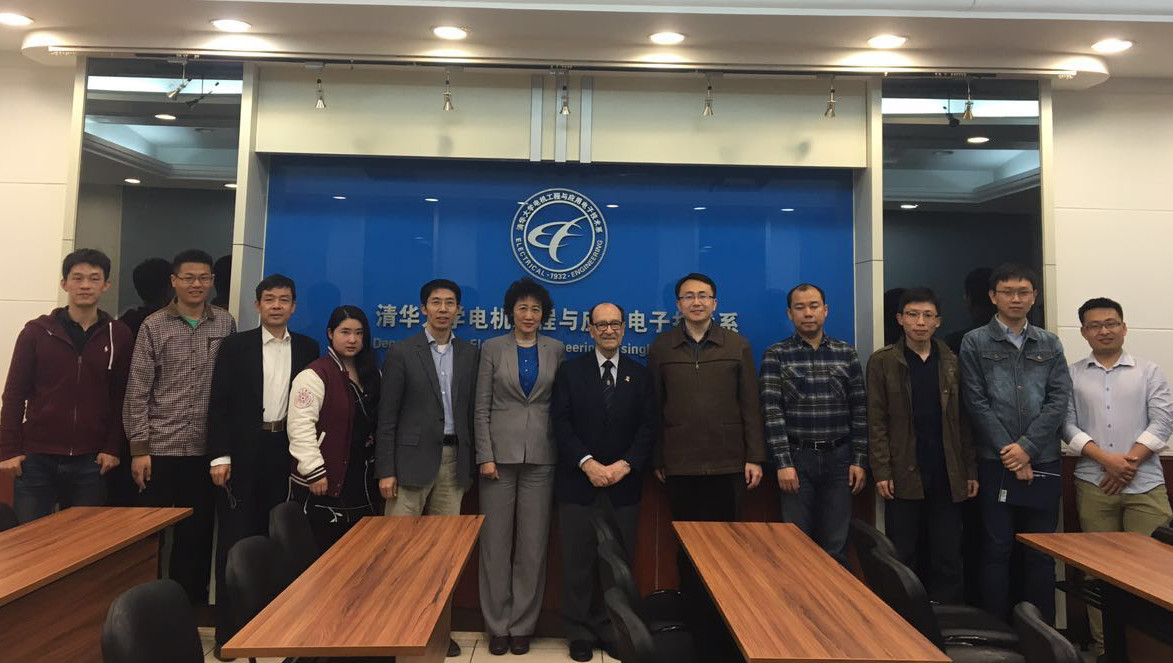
[(1119, 420)]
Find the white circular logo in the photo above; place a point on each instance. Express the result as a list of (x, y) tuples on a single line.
[(558, 235)]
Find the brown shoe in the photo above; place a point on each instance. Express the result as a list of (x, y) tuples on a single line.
[(498, 645), (519, 644)]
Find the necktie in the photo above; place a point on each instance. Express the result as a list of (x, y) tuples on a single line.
[(608, 384)]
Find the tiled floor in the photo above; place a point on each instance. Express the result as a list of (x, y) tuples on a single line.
[(474, 646)]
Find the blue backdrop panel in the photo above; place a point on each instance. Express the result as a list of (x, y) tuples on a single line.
[(624, 233)]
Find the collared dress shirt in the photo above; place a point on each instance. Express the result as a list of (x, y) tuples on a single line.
[(442, 359), (1016, 338), (276, 368), (1118, 407)]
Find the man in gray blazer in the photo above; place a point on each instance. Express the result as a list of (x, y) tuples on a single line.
[(424, 442)]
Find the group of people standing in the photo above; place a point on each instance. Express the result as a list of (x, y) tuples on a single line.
[(269, 418)]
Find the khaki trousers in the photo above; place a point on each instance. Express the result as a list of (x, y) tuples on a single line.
[(441, 497)]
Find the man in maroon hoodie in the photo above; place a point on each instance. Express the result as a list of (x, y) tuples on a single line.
[(61, 420)]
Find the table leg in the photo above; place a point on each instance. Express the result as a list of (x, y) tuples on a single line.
[(1115, 606), (437, 644)]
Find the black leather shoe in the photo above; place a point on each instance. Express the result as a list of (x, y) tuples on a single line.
[(498, 645), (519, 644), (453, 648), (220, 656), (581, 650)]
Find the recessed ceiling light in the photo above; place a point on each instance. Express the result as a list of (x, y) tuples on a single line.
[(15, 20), (887, 41), (431, 200), (230, 185), (1111, 46), (909, 206), (612, 206), (787, 209), (132, 180), (977, 140), (521, 202), (450, 32), (666, 38), (166, 117), (698, 209), (339, 197), (230, 25)]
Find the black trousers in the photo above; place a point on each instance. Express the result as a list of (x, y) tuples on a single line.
[(714, 498), (933, 523), (183, 481), (582, 613), (259, 481)]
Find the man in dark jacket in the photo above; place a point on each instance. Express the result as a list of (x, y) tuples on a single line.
[(61, 422), (603, 422), (920, 445)]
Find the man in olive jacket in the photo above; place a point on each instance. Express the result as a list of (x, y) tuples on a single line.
[(921, 450)]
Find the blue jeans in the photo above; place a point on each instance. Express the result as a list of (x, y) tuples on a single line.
[(47, 480), (1002, 522), (822, 506)]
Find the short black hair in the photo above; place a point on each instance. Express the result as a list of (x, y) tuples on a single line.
[(591, 313), (918, 296), (438, 284), (276, 282), (86, 257), (151, 279), (1100, 302), (191, 255), (527, 287), (696, 276), (804, 286), (1011, 272)]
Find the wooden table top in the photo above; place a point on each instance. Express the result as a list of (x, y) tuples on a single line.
[(786, 600), (1138, 564), (37, 553), (379, 591)]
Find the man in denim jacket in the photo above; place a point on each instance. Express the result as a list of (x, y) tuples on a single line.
[(1016, 387)]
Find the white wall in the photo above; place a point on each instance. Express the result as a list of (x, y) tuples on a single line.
[(1113, 210), (34, 158)]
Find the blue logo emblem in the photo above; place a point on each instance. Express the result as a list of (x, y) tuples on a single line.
[(558, 235)]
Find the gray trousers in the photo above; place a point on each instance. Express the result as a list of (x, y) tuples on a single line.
[(517, 510), (584, 618)]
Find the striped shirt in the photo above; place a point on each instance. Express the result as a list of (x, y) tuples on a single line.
[(813, 394), (166, 408)]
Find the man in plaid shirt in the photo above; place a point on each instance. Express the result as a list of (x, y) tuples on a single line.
[(813, 400)]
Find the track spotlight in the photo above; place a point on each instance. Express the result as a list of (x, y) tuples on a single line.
[(192, 103), (830, 112), (321, 98), (707, 111), (968, 114), (184, 82), (448, 92), (565, 109)]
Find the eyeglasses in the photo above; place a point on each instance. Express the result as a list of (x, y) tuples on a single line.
[(1110, 325), (1021, 293), (188, 279), (608, 324), (702, 297), (921, 315)]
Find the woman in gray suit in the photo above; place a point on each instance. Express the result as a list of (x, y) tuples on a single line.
[(516, 454)]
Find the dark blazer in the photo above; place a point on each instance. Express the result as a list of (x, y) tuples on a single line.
[(236, 403), (582, 426), (410, 437)]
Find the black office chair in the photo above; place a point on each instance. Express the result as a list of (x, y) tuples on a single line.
[(290, 529), (636, 644), (662, 609), (149, 623), (956, 621), (1039, 642), (8, 518), (1164, 534), (899, 587), (605, 529)]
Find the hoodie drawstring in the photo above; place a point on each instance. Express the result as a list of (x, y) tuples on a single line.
[(110, 331)]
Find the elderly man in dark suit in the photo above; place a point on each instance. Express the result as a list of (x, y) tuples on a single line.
[(602, 412), (424, 442)]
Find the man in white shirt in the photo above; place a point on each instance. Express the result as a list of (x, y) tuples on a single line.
[(1119, 421)]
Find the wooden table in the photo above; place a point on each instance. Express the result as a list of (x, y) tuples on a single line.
[(383, 590), (59, 575), (1138, 574), (785, 599)]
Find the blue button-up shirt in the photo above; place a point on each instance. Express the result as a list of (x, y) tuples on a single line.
[(1017, 339), (1117, 408), (443, 362)]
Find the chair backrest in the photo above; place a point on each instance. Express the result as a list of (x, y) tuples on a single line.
[(605, 529), (633, 640), (1038, 641), (1164, 534), (7, 517), (866, 538), (898, 586), (289, 528), (253, 578), (615, 573), (149, 623)]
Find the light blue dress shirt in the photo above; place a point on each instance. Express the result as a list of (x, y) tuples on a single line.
[(1017, 339), (443, 361)]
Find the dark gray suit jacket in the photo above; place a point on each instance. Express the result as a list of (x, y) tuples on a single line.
[(410, 437)]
